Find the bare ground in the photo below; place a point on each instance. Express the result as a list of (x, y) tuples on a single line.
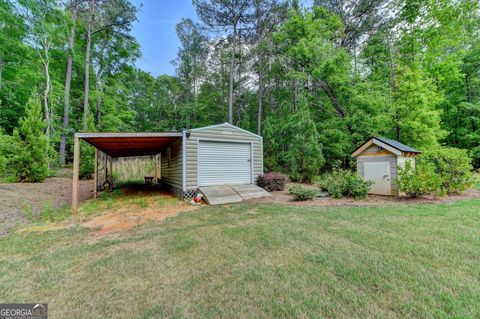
[(283, 197), (17, 198), (126, 218)]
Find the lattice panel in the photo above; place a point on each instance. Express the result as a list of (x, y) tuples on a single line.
[(189, 194)]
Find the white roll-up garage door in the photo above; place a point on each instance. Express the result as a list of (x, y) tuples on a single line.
[(221, 163)]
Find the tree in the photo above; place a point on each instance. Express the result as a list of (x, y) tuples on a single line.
[(231, 14), (30, 155), (304, 155), (46, 27), (73, 8), (190, 65), (414, 117), (88, 49), (116, 47), (268, 14)]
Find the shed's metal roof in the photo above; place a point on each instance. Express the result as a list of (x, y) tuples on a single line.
[(396, 144)]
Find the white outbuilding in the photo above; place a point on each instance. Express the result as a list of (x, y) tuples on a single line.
[(378, 160)]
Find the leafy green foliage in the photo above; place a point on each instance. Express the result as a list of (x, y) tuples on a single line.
[(419, 180), (344, 183), (322, 79), (414, 118), (304, 155), (301, 193), (453, 166), (30, 148), (5, 151)]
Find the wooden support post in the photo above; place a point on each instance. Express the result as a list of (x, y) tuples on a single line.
[(95, 175), (156, 168), (105, 167), (76, 159), (110, 169)]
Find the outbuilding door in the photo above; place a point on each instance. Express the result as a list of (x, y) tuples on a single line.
[(221, 163), (379, 172)]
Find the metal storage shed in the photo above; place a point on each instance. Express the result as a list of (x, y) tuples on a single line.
[(378, 160), (214, 155)]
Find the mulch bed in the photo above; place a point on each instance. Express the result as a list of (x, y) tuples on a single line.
[(283, 197)]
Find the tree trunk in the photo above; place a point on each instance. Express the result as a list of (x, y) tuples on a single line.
[(99, 79), (260, 68), (232, 74), (1, 70), (469, 100), (392, 71), (46, 92), (91, 11), (469, 90), (68, 80), (260, 103)]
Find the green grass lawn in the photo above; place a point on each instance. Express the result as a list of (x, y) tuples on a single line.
[(258, 261)]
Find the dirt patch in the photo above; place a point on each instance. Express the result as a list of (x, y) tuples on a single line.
[(16, 198), (124, 219), (284, 197)]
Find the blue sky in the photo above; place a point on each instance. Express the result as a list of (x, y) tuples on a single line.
[(155, 30)]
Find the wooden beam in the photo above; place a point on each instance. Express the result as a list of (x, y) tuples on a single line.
[(76, 159), (95, 175)]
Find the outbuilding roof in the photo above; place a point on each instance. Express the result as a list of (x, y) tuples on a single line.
[(391, 145), (396, 144)]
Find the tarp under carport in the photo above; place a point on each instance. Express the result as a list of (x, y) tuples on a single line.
[(118, 145)]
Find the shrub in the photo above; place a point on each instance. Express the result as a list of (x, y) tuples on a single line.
[(304, 155), (418, 181), (5, 151), (292, 143), (301, 193), (272, 181), (29, 159), (344, 183), (453, 166), (87, 161)]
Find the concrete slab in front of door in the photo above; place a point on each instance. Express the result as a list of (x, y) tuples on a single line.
[(224, 194)]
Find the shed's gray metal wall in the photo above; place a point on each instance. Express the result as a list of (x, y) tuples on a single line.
[(367, 157), (226, 133), (172, 174)]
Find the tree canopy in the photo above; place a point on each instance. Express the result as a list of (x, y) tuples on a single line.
[(316, 82)]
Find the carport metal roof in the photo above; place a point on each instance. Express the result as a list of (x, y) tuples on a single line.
[(129, 144)]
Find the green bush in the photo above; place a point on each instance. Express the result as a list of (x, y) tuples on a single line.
[(30, 156), (6, 143), (272, 181), (304, 156), (87, 161), (420, 180), (344, 183), (302, 193), (453, 166)]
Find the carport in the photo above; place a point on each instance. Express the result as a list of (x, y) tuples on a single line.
[(115, 145), (222, 161)]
